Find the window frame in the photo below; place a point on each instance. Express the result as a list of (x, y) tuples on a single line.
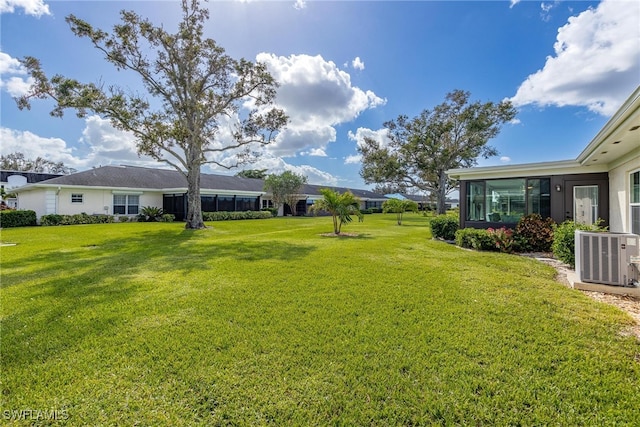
[(130, 208), (77, 198), (483, 209), (634, 203)]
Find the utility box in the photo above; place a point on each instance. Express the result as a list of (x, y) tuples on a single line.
[(607, 258)]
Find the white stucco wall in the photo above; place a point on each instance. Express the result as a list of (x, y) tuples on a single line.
[(34, 201), (619, 193), (94, 201)]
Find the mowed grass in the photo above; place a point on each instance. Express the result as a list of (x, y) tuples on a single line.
[(268, 322)]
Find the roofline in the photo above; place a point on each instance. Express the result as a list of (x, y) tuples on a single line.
[(562, 167), (623, 114)]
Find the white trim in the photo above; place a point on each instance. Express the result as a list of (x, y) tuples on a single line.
[(127, 193), (525, 170)]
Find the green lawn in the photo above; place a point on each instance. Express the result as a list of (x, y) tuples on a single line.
[(267, 322)]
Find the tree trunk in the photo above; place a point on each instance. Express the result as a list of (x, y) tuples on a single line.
[(194, 204)]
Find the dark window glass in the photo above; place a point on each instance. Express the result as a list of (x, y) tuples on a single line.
[(225, 203), (476, 205), (208, 203)]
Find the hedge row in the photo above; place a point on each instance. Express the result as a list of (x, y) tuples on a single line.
[(11, 218), (81, 218), (226, 216), (532, 234)]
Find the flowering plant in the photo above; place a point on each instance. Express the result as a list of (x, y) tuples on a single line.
[(503, 239)]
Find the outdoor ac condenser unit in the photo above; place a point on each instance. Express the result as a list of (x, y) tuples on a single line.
[(607, 258)]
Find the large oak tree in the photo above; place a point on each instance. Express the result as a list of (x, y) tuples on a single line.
[(194, 90), (419, 151)]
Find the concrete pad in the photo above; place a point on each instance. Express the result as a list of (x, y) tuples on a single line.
[(607, 289)]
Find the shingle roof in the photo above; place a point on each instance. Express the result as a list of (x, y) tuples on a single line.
[(163, 179), (156, 179), (365, 194)]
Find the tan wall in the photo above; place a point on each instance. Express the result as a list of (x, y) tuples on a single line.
[(619, 193), (93, 201)]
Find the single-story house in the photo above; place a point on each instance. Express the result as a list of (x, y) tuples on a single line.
[(123, 190), (603, 182), (10, 180)]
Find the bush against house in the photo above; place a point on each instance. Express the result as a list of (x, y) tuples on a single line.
[(444, 227), (16, 218), (564, 240)]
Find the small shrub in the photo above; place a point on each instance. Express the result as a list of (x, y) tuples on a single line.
[(168, 218), (503, 239), (474, 238), (103, 219), (123, 218), (17, 218), (51, 220), (150, 214), (564, 243), (444, 227), (534, 233), (274, 211)]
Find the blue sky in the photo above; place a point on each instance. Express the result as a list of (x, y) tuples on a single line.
[(345, 67)]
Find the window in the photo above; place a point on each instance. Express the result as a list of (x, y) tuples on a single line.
[(585, 204), (508, 200), (267, 204), (245, 203), (125, 204), (634, 202), (475, 201), (208, 203), (76, 198), (539, 197), (226, 204)]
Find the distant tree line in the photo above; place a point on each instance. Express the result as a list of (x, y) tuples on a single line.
[(18, 162)]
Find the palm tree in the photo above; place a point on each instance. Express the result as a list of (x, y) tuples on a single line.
[(340, 206)]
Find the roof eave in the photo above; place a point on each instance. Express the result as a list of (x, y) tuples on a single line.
[(563, 167)]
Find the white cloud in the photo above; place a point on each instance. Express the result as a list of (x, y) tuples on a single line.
[(379, 135), (317, 152), (32, 146), (101, 144), (353, 159), (545, 10), (513, 3), (596, 62), (277, 165), (505, 159), (31, 7), (357, 63), (10, 65), (299, 4), (317, 96), (15, 85)]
